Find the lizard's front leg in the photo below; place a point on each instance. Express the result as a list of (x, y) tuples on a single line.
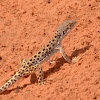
[(66, 57)]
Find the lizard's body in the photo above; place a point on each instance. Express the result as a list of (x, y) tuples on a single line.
[(53, 46)]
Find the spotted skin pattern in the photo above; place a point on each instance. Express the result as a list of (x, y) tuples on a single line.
[(34, 63)]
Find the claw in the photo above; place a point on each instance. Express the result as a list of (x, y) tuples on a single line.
[(74, 60), (51, 61)]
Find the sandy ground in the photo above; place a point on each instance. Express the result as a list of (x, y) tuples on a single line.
[(26, 25)]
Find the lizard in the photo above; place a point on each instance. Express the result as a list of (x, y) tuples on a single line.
[(34, 63)]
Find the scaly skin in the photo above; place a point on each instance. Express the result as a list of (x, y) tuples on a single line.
[(53, 46)]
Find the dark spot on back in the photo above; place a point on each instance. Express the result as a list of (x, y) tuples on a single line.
[(30, 59), (35, 56), (50, 48), (53, 40), (19, 72), (40, 79), (39, 52), (2, 86), (49, 41), (15, 76), (49, 52), (23, 66), (6, 84), (35, 68), (33, 62), (15, 80), (29, 67), (19, 75), (43, 49), (47, 45), (39, 75), (28, 63)]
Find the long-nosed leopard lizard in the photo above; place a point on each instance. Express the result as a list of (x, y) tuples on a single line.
[(34, 63)]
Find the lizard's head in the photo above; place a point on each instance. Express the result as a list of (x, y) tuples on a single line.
[(64, 28)]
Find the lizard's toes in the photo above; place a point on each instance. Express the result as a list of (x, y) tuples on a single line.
[(74, 60)]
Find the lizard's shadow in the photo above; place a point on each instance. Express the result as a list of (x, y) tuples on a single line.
[(61, 61), (54, 69)]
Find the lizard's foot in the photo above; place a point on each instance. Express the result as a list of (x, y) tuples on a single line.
[(51, 61), (50, 79), (74, 60)]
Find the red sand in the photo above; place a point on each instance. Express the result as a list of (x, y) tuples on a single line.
[(26, 25)]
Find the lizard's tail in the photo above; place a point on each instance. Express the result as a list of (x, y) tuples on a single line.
[(17, 76)]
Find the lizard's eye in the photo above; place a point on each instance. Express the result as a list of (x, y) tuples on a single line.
[(63, 32)]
